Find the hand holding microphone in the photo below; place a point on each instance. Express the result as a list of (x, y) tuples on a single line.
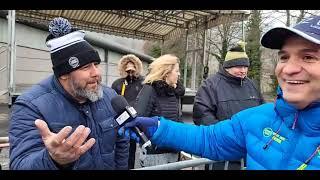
[(149, 125), (131, 124)]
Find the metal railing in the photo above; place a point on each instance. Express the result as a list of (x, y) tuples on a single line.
[(179, 165), (193, 162), (4, 142)]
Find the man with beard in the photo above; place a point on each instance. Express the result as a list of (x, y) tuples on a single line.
[(66, 121), (129, 85)]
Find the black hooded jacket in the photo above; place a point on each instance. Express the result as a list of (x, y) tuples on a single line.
[(160, 99), (222, 95), (133, 87)]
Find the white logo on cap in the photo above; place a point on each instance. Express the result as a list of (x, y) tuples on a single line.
[(74, 62), (315, 26), (307, 20)]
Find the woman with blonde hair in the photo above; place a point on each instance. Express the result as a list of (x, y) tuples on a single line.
[(160, 96)]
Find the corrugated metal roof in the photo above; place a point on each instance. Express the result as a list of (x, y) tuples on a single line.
[(140, 24)]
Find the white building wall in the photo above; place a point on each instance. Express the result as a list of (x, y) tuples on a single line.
[(25, 35), (135, 44)]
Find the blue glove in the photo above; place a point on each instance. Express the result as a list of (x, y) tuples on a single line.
[(148, 125)]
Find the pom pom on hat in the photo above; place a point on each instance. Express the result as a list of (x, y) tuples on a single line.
[(242, 44), (59, 27)]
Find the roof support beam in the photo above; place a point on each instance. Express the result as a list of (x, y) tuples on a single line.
[(145, 22), (98, 27), (145, 15), (141, 24)]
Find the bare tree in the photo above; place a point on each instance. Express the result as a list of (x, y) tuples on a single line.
[(221, 37), (288, 17), (301, 16)]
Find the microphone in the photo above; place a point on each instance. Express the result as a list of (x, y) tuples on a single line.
[(126, 113)]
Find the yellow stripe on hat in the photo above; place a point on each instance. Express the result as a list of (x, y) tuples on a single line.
[(235, 55)]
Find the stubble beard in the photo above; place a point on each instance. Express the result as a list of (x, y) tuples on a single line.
[(92, 95)]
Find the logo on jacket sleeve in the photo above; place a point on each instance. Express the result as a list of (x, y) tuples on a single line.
[(267, 132)]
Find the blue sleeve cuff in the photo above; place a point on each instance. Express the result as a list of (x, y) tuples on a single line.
[(161, 131)]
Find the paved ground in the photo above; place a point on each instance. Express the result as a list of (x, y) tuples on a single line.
[(187, 113), (4, 158)]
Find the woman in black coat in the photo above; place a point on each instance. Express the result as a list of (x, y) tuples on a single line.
[(160, 96)]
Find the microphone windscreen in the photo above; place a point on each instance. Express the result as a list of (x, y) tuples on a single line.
[(119, 104)]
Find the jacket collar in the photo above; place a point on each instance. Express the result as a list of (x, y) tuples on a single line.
[(308, 119), (231, 78), (57, 85), (162, 88)]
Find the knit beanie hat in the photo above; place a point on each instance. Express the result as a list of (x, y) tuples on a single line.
[(68, 49), (236, 56)]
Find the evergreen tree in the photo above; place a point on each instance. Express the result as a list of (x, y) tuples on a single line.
[(155, 50), (253, 45)]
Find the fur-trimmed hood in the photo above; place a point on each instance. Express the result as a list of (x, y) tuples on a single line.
[(125, 60)]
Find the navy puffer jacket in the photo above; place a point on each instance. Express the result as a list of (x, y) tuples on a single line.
[(50, 102)]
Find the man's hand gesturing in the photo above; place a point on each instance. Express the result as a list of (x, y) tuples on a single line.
[(63, 149)]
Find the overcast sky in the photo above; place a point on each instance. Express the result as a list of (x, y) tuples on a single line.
[(273, 18)]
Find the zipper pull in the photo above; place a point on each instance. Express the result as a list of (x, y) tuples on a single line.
[(295, 120), (302, 166)]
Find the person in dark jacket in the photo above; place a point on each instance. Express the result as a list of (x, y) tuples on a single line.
[(160, 96), (226, 92), (66, 121), (129, 85)]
